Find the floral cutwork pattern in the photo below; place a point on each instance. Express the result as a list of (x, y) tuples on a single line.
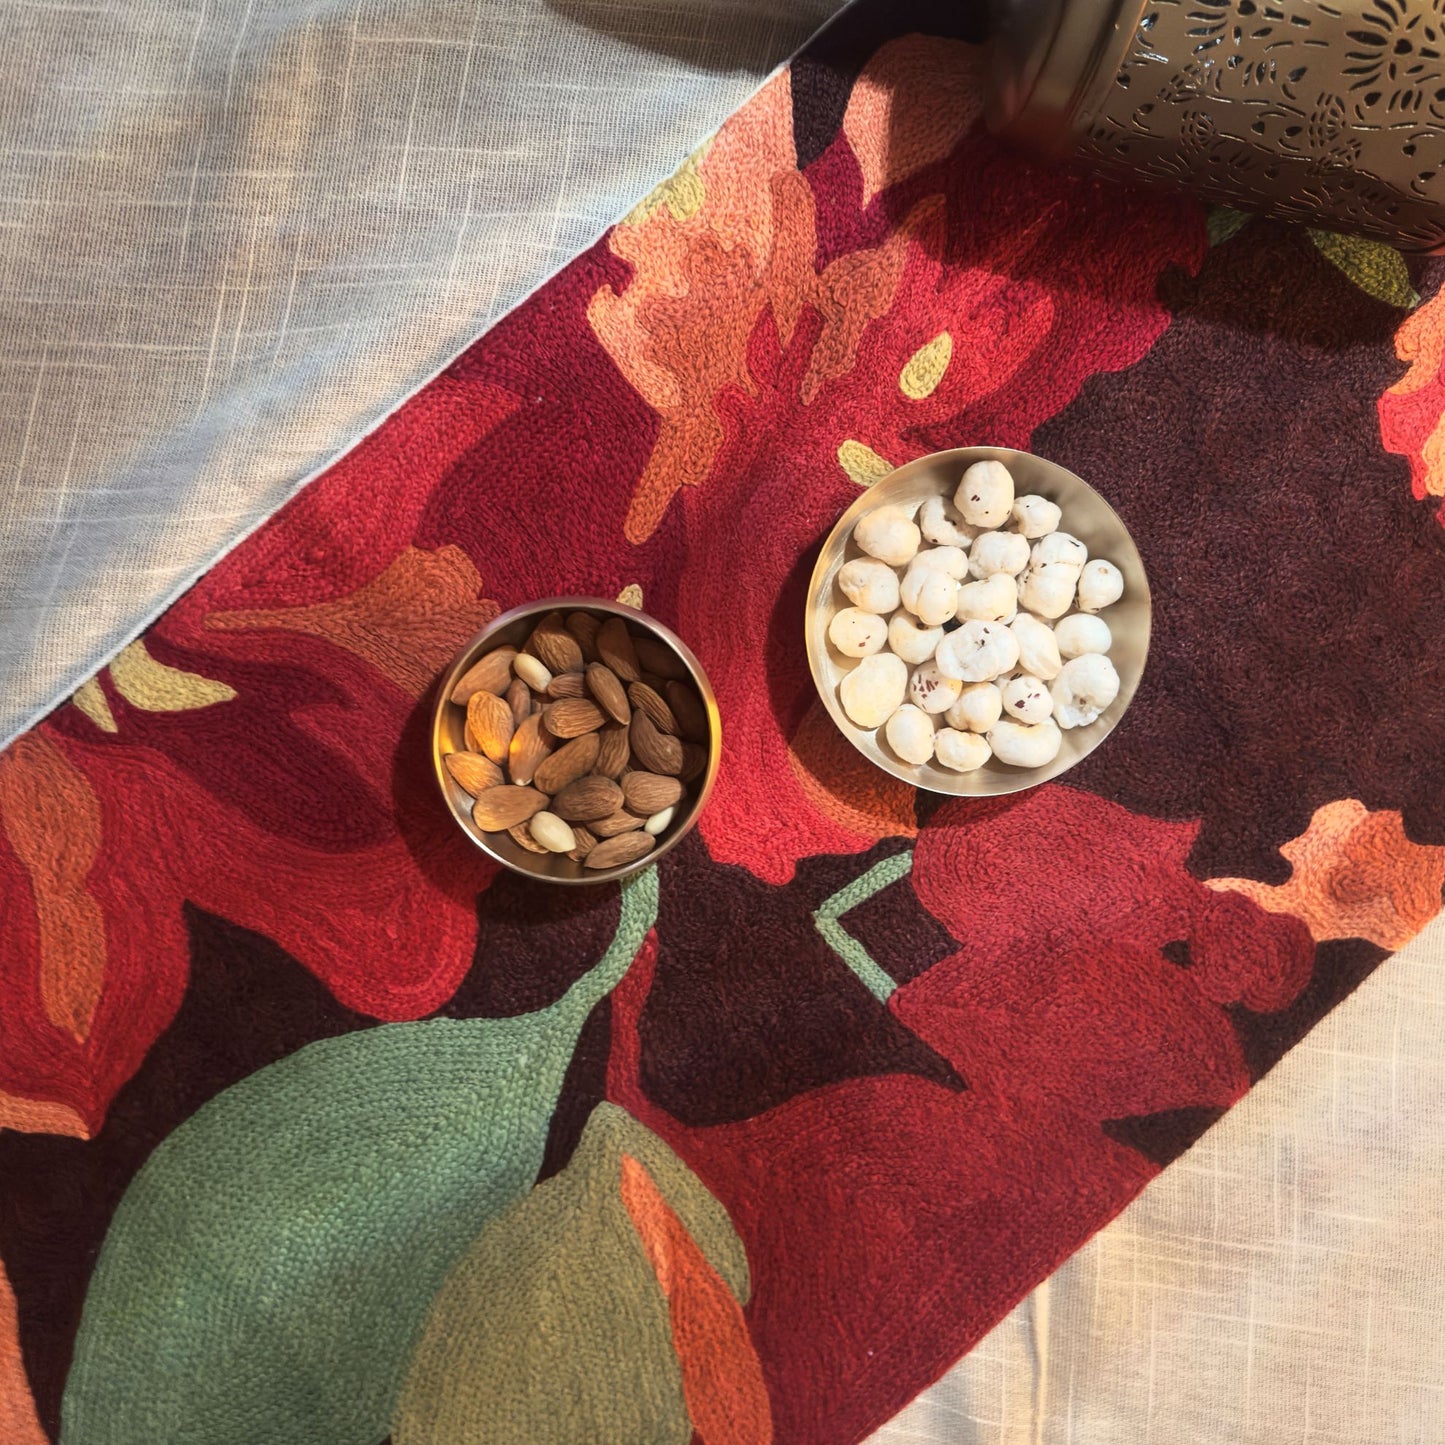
[(1306, 109)]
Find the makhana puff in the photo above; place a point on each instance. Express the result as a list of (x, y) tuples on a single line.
[(972, 619)]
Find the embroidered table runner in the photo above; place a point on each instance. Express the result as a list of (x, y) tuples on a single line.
[(316, 1127)]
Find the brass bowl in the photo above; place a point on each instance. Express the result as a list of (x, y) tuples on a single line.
[(512, 629), (1087, 516)]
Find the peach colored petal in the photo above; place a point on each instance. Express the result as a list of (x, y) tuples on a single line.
[(40, 1116), (406, 623), (916, 99), (1420, 340), (1356, 875), (19, 1424), (738, 170), (844, 786), (52, 820), (679, 331), (722, 1379)]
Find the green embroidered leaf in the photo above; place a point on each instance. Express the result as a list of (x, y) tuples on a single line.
[(860, 890), (1377, 269), (1224, 222), (269, 1270), (552, 1327)]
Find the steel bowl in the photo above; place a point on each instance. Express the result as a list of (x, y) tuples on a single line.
[(512, 629), (1086, 515)]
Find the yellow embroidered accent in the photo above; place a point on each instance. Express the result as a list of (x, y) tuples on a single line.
[(925, 367), (862, 464), (90, 699), (682, 193), (148, 684)]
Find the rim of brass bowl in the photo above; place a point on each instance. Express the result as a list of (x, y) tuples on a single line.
[(1086, 515), (512, 629)]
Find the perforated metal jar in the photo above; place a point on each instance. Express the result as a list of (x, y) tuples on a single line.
[(1331, 113)]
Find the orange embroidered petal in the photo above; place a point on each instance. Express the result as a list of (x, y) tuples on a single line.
[(892, 140), (844, 786), (406, 623), (1356, 875), (19, 1424), (680, 331), (679, 351), (40, 1116), (52, 819), (722, 1379), (859, 288)]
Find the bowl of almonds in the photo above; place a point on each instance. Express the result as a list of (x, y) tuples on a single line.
[(978, 621), (575, 740)]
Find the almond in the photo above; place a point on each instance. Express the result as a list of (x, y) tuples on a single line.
[(523, 839), (519, 699), (614, 753), (552, 833), (615, 823), (588, 798), (652, 704), (530, 645), (658, 657), (473, 742), (555, 645), (653, 681), (694, 762), (531, 743), (614, 647), (687, 708), (583, 626), (657, 824), (570, 717), (501, 808), (491, 673), (649, 793), (531, 671), (586, 842), (490, 720), (625, 848), (655, 751), (473, 772), (567, 684), (571, 761), (608, 691)]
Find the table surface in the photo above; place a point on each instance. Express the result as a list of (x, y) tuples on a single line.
[(199, 312)]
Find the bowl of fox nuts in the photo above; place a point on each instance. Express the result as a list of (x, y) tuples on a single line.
[(576, 740), (978, 621)]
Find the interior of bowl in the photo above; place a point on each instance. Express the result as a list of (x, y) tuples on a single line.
[(1086, 515), (512, 629)]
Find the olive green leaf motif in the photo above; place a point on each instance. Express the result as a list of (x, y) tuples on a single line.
[(1377, 269), (561, 1322), (1223, 222), (269, 1270)]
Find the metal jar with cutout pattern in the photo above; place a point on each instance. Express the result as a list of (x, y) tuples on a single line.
[(1326, 111)]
